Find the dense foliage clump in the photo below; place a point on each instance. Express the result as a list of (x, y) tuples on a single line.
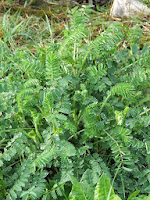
[(74, 115)]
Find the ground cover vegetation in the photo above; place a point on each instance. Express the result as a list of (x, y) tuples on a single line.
[(74, 109)]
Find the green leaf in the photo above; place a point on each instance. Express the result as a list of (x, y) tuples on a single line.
[(147, 147), (1, 108), (123, 89), (13, 194), (66, 148), (87, 176), (7, 157), (103, 188), (128, 169), (134, 194), (147, 198), (119, 117), (1, 87), (1, 163), (17, 188), (16, 28), (125, 112), (81, 191), (114, 197), (135, 49), (61, 117)]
